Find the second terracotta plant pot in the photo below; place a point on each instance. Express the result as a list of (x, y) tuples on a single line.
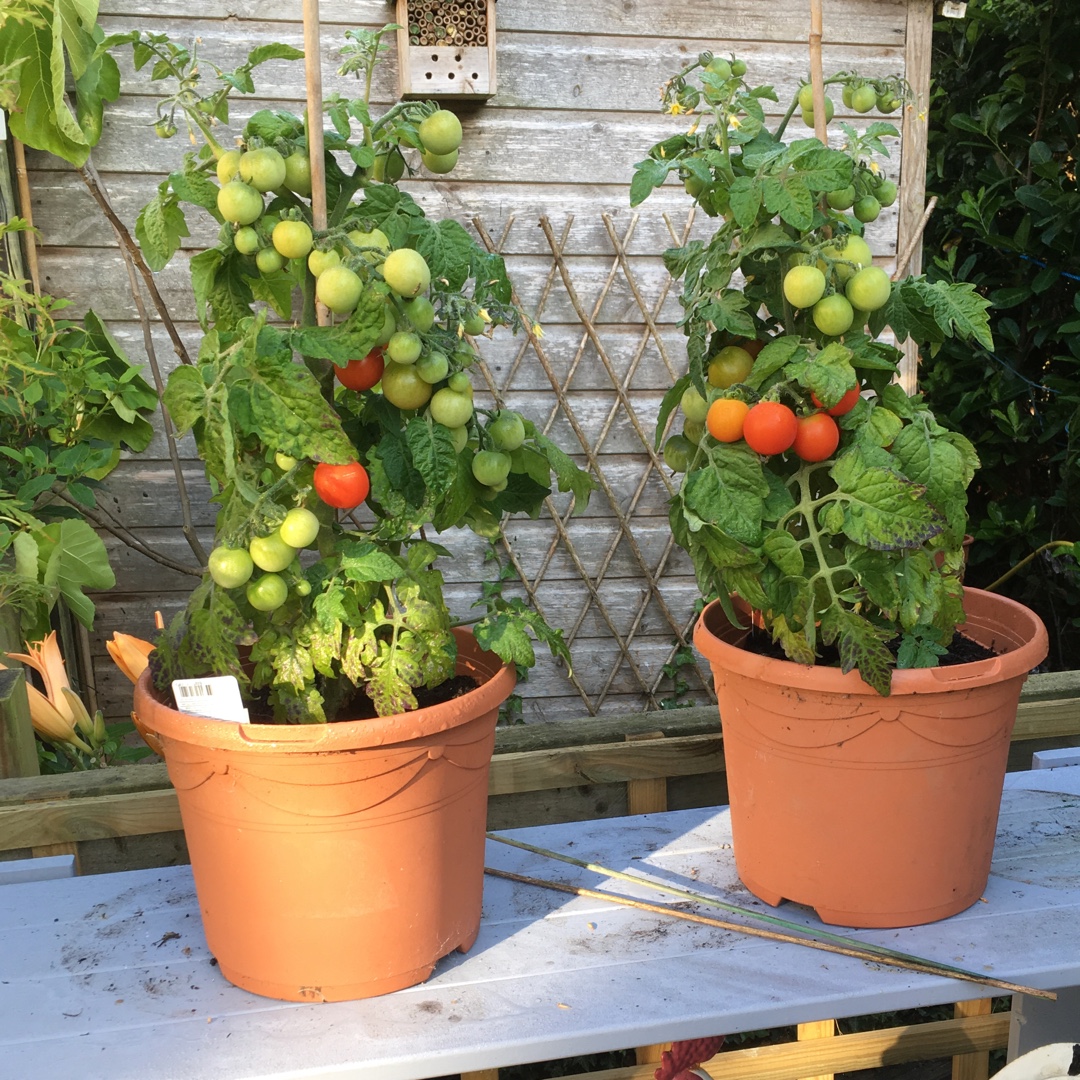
[(336, 861), (875, 811)]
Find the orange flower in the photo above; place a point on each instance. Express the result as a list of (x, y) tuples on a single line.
[(44, 657), (130, 654)]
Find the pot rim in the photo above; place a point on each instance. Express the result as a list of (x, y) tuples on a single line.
[(1024, 646), (153, 716)]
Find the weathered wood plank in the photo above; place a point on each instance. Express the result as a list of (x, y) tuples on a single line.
[(589, 72), (871, 22)]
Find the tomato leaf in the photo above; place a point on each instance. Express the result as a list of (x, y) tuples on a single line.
[(282, 403), (568, 476), (728, 492), (447, 247), (882, 509), (433, 455), (160, 227), (648, 175)]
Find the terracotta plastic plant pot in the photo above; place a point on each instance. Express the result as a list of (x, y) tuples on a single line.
[(336, 861), (875, 811)]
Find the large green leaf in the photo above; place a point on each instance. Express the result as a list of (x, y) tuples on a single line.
[(66, 44), (71, 558)]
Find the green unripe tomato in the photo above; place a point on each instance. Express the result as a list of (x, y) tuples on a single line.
[(376, 239), (318, 261), (228, 166), (868, 289), (300, 527), (284, 461), (738, 68), (339, 288), (389, 167), (719, 66), (239, 202), (475, 324), (460, 383), (407, 272), (433, 367), (267, 593), (464, 358), (491, 467), (450, 408), (389, 327), (269, 260), (863, 98), (866, 209), (842, 198), (440, 132), (804, 286), (693, 430), (230, 567), (694, 406), (421, 313), (263, 169), (507, 431), (298, 173), (806, 96), (677, 452), (439, 164), (293, 239), (404, 347), (833, 315), (246, 240), (459, 436), (271, 552), (887, 103), (886, 193)]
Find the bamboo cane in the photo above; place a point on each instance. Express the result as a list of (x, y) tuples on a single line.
[(313, 71), (928, 967), (824, 937), (817, 78)]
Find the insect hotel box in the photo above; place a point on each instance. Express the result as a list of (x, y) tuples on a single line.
[(446, 48)]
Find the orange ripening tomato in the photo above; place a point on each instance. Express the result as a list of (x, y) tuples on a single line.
[(725, 419), (342, 486)]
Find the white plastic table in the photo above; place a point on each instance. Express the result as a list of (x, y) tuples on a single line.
[(109, 975)]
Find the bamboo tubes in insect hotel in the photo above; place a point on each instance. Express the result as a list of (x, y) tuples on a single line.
[(448, 22)]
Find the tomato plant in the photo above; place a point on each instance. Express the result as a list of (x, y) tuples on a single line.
[(380, 299), (363, 373), (842, 540), (342, 486)]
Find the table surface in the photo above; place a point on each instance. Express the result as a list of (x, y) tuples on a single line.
[(109, 975)]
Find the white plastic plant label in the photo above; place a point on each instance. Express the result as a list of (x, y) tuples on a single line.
[(214, 698)]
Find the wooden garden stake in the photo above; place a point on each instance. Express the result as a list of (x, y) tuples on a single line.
[(313, 72)]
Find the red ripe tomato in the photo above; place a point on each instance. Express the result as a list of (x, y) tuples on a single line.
[(770, 427), (817, 437), (343, 486), (361, 374), (844, 405)]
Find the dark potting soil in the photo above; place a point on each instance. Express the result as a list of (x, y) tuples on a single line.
[(961, 650), (360, 707)]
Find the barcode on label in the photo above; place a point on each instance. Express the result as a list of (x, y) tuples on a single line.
[(190, 689)]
